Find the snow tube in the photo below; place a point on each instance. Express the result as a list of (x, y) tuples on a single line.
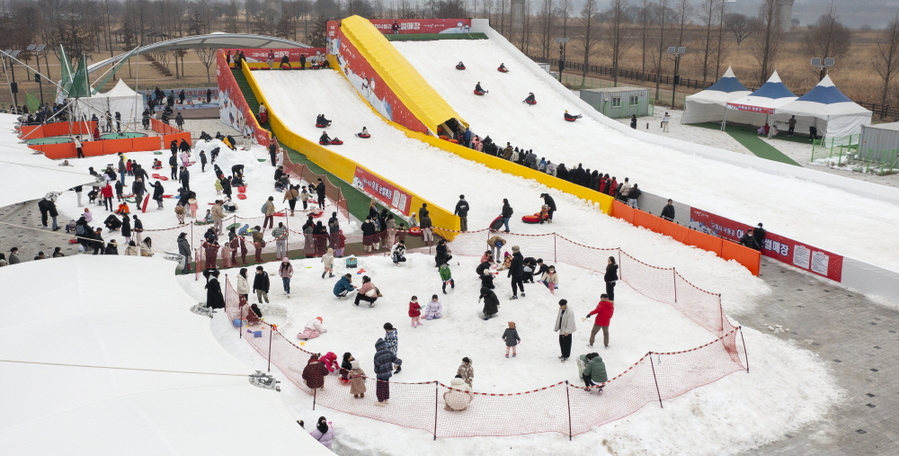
[(278, 214), (502, 70), (241, 196), (321, 125), (336, 142), (415, 231), (263, 117), (531, 102), (242, 189), (479, 93), (163, 178), (360, 135), (167, 196), (570, 119), (316, 214), (531, 218), (324, 143), (460, 67), (497, 223)]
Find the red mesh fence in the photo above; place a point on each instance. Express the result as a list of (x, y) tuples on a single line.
[(562, 407)]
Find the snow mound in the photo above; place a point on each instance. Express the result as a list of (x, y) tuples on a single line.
[(227, 157)]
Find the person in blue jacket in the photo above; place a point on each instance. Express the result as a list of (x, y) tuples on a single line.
[(344, 286)]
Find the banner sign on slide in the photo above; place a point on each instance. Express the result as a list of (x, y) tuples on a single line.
[(261, 54), (367, 82), (233, 108), (786, 250), (750, 108), (383, 191), (410, 26)]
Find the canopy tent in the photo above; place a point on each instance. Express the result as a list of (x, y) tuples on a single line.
[(710, 104), (827, 109), (119, 99), (96, 365), (758, 107)]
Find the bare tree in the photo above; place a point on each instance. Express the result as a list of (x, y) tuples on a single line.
[(827, 38), (546, 22), (886, 62), (682, 14), (708, 14), (616, 35), (645, 19), (566, 8), (446, 9), (767, 38), (740, 25), (662, 17), (588, 31), (721, 49), (207, 58)]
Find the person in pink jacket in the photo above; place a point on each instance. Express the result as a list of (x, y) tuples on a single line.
[(603, 312), (286, 272), (313, 329), (323, 432)]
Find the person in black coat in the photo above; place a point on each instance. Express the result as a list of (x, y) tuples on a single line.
[(320, 191), (530, 265), (516, 272), (126, 227), (184, 146), (214, 297), (549, 201), (758, 233), (506, 214), (748, 240), (173, 160), (184, 178), (112, 222), (462, 211), (226, 186), (138, 188), (491, 303), (483, 271), (668, 211), (97, 243), (443, 254), (611, 277), (112, 248), (368, 234)]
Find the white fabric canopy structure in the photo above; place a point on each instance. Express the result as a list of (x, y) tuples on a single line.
[(710, 104), (119, 99), (826, 108), (758, 107), (96, 364)]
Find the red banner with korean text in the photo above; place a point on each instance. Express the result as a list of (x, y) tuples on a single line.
[(384, 191), (783, 249), (410, 26), (750, 108), (233, 107), (369, 83)]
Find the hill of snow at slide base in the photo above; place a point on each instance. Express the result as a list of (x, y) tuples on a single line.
[(786, 388), (812, 213)]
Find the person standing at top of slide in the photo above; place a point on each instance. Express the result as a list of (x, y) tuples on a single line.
[(462, 212)]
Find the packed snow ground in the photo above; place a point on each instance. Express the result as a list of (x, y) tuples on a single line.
[(738, 193), (787, 386)]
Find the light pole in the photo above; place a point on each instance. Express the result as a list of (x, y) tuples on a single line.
[(562, 42), (822, 67), (676, 52), (13, 86), (37, 49)]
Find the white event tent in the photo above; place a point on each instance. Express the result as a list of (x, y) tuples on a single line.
[(710, 104), (101, 363), (827, 109), (119, 99), (758, 107)]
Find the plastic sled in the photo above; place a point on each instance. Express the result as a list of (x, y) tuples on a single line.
[(415, 231), (322, 143), (460, 68), (241, 196), (278, 214), (497, 223), (167, 196), (157, 152), (531, 102), (73, 241), (155, 176), (336, 142), (502, 70), (242, 189), (531, 218), (360, 135), (163, 178), (321, 126), (479, 93)]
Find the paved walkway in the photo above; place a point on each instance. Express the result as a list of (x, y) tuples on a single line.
[(859, 340)]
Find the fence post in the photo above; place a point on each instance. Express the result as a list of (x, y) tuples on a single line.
[(435, 408), (568, 405), (674, 275), (555, 253), (655, 379), (314, 397), (745, 354), (271, 334)]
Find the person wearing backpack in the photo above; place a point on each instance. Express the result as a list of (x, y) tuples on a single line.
[(269, 210)]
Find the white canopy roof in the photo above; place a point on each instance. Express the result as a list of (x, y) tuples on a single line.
[(95, 364), (833, 114), (770, 96), (709, 104)]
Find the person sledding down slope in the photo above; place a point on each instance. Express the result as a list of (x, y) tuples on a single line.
[(322, 122), (460, 65), (364, 133), (531, 99), (570, 117), (502, 68), (324, 139), (478, 90)]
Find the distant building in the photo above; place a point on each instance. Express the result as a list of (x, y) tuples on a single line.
[(785, 11), (618, 102)]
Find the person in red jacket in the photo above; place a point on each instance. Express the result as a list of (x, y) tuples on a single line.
[(603, 312), (106, 193)]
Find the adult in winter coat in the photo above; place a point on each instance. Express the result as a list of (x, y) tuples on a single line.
[(748, 240), (214, 297), (594, 371), (269, 210), (506, 214), (158, 191), (462, 211), (384, 361), (485, 274), (611, 277), (323, 433), (320, 192), (126, 228), (491, 303), (184, 249), (261, 285), (344, 285), (603, 312), (668, 211), (549, 201), (633, 195), (516, 272), (314, 373), (291, 196), (286, 273), (184, 178), (459, 396), (398, 254), (243, 285), (319, 239), (313, 329), (368, 235), (367, 292), (443, 254), (565, 327)]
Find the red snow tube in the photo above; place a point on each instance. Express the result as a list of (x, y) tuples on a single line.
[(360, 135), (241, 196), (415, 231), (321, 125), (263, 117), (242, 189), (336, 142), (496, 224), (278, 214), (324, 143), (502, 70), (570, 119), (316, 214), (460, 67), (531, 102), (531, 218), (479, 93)]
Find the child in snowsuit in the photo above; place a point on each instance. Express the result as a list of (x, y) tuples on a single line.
[(510, 335), (434, 309), (415, 311), (466, 370), (446, 275)]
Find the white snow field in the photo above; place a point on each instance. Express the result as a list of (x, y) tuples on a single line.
[(809, 212), (786, 385)]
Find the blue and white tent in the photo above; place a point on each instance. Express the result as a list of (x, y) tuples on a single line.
[(758, 107), (827, 109), (709, 105)]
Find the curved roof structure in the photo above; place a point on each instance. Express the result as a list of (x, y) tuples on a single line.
[(217, 40)]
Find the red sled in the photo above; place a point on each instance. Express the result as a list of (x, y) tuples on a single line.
[(241, 196), (570, 118), (336, 142), (278, 214), (167, 196), (460, 67), (143, 207), (531, 102), (497, 223), (415, 231), (321, 126), (242, 189), (360, 135), (480, 94), (163, 178), (73, 241), (263, 117), (316, 214), (532, 218), (502, 70)]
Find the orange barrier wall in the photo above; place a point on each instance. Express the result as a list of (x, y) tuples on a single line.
[(749, 258), (62, 150), (57, 129)]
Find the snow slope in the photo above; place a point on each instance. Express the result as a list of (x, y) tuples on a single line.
[(810, 212)]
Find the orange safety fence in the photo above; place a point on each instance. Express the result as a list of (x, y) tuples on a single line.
[(56, 129), (749, 258), (562, 407)]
